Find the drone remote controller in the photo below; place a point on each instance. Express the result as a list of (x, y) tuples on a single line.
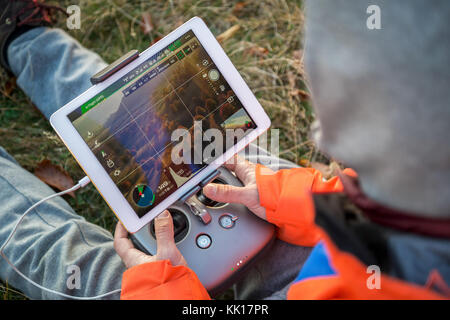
[(218, 240)]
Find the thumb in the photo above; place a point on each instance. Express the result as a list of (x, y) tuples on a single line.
[(164, 230), (225, 193)]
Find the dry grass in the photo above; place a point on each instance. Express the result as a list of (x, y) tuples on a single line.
[(266, 49)]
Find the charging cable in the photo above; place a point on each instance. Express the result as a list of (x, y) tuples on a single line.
[(81, 184)]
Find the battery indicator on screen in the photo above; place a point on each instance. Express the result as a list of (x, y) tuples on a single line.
[(175, 45), (180, 55)]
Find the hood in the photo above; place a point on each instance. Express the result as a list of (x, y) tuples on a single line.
[(382, 97)]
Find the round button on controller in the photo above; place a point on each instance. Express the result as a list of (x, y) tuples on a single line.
[(226, 221), (203, 241)]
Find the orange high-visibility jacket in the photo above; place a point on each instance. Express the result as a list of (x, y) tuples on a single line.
[(328, 272)]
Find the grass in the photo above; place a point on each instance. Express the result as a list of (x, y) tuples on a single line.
[(266, 49)]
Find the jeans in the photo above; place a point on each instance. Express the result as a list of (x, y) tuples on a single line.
[(52, 68)]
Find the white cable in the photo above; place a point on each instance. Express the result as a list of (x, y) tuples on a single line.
[(81, 184)]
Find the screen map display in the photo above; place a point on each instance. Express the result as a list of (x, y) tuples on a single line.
[(129, 125)]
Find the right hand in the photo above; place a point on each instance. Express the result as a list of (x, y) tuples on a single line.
[(247, 195)]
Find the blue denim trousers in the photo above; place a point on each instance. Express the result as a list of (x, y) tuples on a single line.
[(52, 68)]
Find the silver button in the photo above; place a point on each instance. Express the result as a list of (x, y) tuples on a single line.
[(226, 221), (203, 241)]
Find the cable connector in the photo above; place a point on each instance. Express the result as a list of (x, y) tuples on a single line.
[(84, 182)]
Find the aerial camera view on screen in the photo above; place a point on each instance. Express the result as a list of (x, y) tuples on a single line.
[(128, 126)]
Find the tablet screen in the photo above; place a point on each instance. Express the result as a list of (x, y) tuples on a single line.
[(162, 122)]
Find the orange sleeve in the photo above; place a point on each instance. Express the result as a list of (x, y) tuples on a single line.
[(350, 279), (160, 280), (287, 197)]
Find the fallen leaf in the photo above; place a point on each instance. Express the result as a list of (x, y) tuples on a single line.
[(147, 24), (155, 40), (224, 36), (54, 176), (304, 163), (299, 92), (10, 85), (257, 51), (238, 8)]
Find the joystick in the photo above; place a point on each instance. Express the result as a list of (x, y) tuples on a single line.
[(207, 201), (180, 225)]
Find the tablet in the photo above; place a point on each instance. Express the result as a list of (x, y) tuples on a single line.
[(160, 125)]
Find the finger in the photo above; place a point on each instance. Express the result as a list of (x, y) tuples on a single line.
[(164, 230), (241, 167), (120, 231), (231, 163), (121, 242), (225, 193)]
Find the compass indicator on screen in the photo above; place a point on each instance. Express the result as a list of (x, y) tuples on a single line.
[(143, 196)]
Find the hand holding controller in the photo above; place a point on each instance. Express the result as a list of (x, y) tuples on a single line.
[(164, 229), (223, 243), (246, 195), (165, 243)]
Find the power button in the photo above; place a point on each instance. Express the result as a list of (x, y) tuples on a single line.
[(203, 241), (227, 221)]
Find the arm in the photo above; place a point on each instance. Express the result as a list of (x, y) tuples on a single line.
[(283, 198), (160, 280), (287, 197)]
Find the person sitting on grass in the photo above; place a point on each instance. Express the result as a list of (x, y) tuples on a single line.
[(380, 230)]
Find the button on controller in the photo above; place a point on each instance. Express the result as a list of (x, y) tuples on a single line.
[(227, 221), (203, 241)]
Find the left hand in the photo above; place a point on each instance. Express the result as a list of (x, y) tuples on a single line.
[(166, 248)]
